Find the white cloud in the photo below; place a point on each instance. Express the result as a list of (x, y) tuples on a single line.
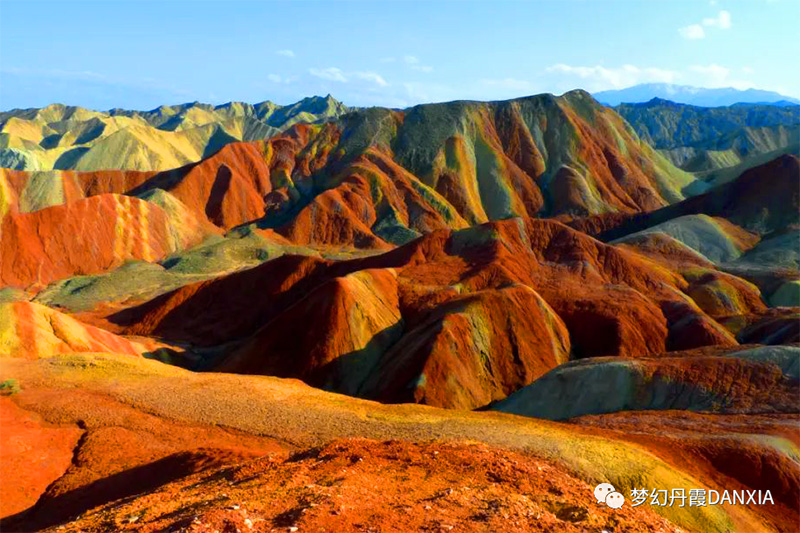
[(285, 53), (414, 64), (374, 77), (692, 32), (714, 75), (598, 77), (712, 70), (722, 20), (696, 31), (336, 74), (330, 73), (275, 78)]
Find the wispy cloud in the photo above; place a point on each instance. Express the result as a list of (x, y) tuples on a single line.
[(713, 70), (414, 63), (599, 77), (714, 75), (721, 21), (276, 78), (330, 74), (285, 53), (374, 77), (692, 32), (336, 74), (410, 61)]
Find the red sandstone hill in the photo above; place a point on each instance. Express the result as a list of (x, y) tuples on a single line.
[(520, 296), (377, 178), (404, 257), (87, 236), (763, 199), (456, 318)]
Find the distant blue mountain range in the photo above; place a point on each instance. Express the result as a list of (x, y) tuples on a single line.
[(698, 96)]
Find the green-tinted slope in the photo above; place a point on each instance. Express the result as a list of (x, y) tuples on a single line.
[(719, 142)]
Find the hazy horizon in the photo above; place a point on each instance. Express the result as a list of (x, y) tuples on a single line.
[(310, 96)]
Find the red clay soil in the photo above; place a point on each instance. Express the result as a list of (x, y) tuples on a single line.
[(215, 311), (104, 453), (33, 454), (79, 185), (740, 385), (84, 237), (339, 217), (226, 188), (486, 325), (244, 182), (135, 471), (363, 485), (626, 178), (545, 255)]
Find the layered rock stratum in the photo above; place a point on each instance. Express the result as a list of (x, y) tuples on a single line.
[(484, 308)]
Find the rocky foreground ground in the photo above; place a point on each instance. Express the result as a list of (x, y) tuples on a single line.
[(107, 442)]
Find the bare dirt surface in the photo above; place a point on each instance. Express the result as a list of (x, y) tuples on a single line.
[(26, 441), (364, 485), (164, 449)]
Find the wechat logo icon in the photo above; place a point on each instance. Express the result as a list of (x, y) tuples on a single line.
[(605, 493)]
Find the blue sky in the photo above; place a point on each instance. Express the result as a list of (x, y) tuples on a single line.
[(139, 55)]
